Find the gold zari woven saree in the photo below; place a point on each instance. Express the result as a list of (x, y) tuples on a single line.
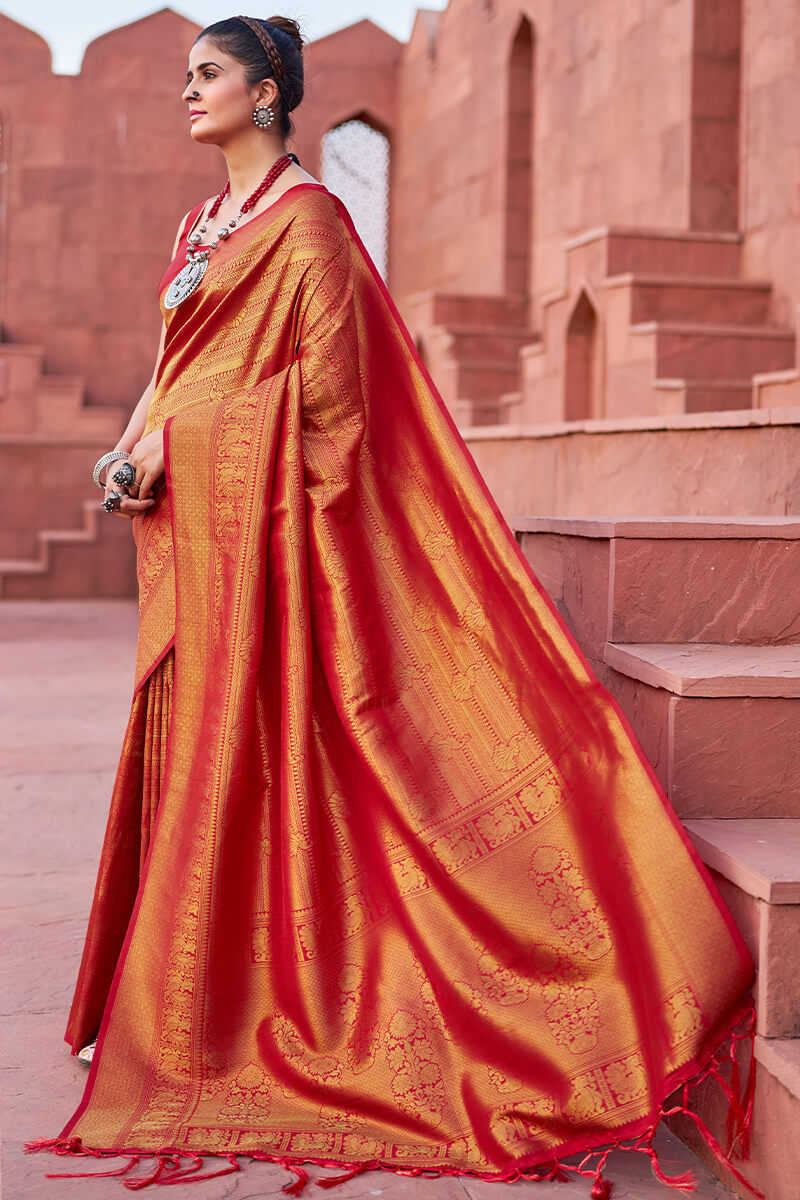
[(386, 881)]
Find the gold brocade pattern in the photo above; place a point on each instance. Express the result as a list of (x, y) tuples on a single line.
[(412, 895), (129, 831)]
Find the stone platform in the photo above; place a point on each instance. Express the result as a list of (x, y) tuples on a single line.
[(65, 682)]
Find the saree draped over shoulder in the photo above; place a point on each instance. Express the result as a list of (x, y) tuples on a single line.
[(386, 879)]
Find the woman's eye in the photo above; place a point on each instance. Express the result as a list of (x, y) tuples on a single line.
[(209, 75)]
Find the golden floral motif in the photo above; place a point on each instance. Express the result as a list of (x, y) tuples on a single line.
[(462, 1151), (572, 907), (417, 1083), (684, 1016), (455, 849), (502, 1082), (437, 543), (499, 824), (247, 1100), (323, 1067), (463, 682), (409, 876), (383, 545), (355, 1145), (501, 982), (446, 746), (573, 1015), (422, 617), (474, 616), (587, 1099), (514, 752), (627, 1078), (541, 796)]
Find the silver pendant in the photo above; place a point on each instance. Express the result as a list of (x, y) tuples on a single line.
[(186, 281)]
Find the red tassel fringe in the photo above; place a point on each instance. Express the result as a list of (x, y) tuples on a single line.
[(168, 1169), (332, 1180)]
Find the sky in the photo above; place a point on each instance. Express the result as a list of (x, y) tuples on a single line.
[(70, 27)]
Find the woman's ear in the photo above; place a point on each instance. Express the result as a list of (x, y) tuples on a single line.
[(268, 92)]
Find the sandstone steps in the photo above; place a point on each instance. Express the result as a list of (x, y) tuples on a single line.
[(713, 695)]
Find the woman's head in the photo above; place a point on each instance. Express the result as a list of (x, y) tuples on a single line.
[(239, 63)]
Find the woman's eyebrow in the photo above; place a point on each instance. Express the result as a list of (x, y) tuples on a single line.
[(203, 66)]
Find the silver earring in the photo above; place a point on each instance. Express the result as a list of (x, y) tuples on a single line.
[(263, 116)]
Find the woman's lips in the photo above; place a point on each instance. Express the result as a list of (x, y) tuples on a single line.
[(194, 113)]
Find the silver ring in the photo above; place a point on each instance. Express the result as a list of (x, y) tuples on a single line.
[(125, 475), (112, 502)]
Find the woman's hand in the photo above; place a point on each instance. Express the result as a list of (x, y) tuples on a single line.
[(147, 460)]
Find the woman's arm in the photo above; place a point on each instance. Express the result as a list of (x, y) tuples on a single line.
[(135, 427)]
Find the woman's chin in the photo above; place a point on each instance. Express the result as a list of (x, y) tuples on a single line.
[(201, 132)]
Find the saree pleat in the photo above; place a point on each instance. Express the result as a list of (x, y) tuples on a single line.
[(386, 880), (134, 804)]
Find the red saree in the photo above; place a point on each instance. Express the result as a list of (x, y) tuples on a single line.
[(411, 897)]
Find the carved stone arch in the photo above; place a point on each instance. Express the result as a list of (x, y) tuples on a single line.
[(519, 158), (355, 162), (582, 382)]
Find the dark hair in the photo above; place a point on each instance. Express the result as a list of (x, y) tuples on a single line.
[(242, 43)]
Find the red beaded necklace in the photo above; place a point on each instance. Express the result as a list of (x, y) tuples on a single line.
[(190, 276)]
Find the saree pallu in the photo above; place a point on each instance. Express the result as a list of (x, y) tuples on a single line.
[(412, 897)]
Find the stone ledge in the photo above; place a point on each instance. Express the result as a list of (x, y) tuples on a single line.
[(700, 328), (648, 279), (760, 856), (680, 528), (735, 418), (706, 669), (781, 1057)]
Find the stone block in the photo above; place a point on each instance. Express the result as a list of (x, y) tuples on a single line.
[(758, 862), (734, 757), (654, 467), (773, 1165), (673, 581)]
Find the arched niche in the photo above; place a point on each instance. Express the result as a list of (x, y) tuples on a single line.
[(519, 159), (355, 165), (581, 399)]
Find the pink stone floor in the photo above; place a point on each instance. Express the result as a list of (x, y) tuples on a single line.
[(65, 686)]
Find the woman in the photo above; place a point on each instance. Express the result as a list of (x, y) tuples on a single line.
[(386, 881)]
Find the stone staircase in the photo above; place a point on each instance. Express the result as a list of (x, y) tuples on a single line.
[(471, 346), (51, 543), (649, 322), (646, 323), (693, 625)]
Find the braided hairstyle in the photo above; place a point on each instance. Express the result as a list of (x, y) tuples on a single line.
[(271, 49)]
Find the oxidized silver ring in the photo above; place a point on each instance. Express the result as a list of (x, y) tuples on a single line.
[(112, 502), (125, 476)]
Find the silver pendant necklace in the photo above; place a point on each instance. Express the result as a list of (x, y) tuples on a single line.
[(190, 277)]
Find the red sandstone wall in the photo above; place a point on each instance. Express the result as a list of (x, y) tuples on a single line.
[(770, 211), (100, 168), (611, 129), (635, 120)]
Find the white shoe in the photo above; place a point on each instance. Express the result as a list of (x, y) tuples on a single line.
[(87, 1053)]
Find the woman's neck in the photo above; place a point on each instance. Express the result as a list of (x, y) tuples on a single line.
[(248, 161)]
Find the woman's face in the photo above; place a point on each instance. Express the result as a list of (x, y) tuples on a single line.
[(224, 103)]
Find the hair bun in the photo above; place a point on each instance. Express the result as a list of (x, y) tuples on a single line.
[(287, 25)]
